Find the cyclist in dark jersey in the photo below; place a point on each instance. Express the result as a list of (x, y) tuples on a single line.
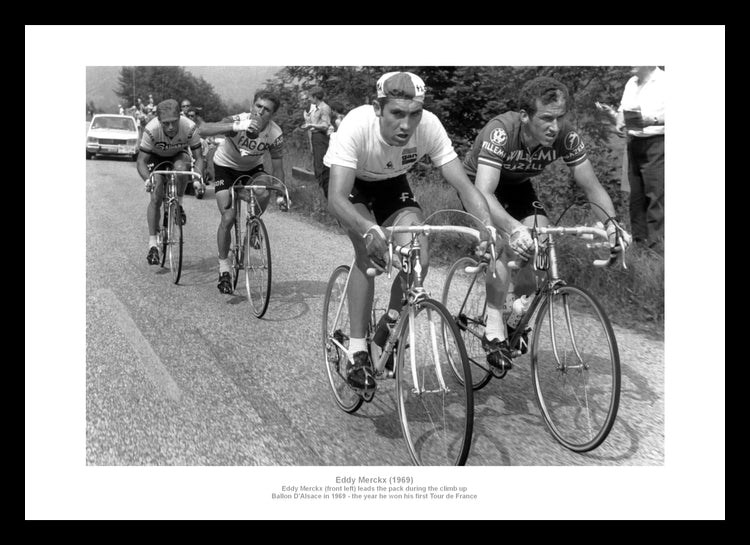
[(511, 149)]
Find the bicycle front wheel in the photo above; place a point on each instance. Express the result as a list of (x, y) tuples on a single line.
[(174, 241), (336, 332), (575, 366), (257, 263), (435, 406), (464, 297)]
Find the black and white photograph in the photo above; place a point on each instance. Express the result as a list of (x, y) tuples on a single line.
[(307, 288)]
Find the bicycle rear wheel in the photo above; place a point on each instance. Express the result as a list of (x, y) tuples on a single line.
[(464, 297), (257, 263), (174, 241), (436, 407), (336, 331), (575, 367)]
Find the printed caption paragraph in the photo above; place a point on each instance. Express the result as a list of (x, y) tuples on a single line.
[(374, 488)]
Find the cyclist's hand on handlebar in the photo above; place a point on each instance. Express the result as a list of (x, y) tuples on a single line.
[(619, 238), (377, 246), (521, 242), (487, 236), (148, 184)]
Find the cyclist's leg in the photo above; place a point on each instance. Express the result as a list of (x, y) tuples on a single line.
[(360, 295), (395, 204), (224, 179), (263, 195), (183, 161)]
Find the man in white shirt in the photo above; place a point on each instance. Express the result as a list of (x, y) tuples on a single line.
[(641, 116), (366, 165)]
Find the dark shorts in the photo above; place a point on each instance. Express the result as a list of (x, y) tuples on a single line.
[(224, 177), (384, 197), (518, 199)]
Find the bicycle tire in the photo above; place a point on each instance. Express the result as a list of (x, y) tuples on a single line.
[(257, 263), (236, 244), (577, 379), (174, 241), (335, 353), (437, 413), (464, 297)]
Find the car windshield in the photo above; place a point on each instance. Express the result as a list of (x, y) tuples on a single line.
[(115, 123)]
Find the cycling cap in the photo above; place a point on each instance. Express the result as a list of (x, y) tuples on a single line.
[(168, 110), (401, 85)]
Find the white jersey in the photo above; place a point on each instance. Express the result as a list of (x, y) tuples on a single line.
[(359, 145), (156, 141), (240, 152)]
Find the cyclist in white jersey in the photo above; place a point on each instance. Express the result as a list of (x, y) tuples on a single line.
[(249, 136), (366, 168), (167, 137)]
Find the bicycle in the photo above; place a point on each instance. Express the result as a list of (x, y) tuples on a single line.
[(250, 249), (435, 401), (169, 235), (575, 361)]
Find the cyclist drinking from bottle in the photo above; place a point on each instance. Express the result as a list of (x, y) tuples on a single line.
[(366, 168), (167, 137), (509, 150), (249, 135)]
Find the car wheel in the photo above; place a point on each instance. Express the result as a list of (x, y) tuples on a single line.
[(134, 157), (89, 155)]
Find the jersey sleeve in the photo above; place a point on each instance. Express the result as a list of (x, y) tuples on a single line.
[(440, 148), (277, 148), (493, 145), (342, 150), (147, 141), (571, 147)]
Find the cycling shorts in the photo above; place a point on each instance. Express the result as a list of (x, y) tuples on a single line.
[(384, 197), (517, 199), (224, 177)]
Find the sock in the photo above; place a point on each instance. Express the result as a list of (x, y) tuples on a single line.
[(357, 345), (224, 266), (495, 328), (151, 241)]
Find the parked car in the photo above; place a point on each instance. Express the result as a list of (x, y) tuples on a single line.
[(112, 134)]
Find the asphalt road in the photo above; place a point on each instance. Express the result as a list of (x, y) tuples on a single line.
[(183, 375)]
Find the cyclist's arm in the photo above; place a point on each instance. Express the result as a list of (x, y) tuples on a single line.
[(277, 168), (198, 167), (212, 129), (454, 173), (486, 181), (339, 187), (142, 166), (586, 179)]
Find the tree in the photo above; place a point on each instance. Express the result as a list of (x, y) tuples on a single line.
[(165, 82)]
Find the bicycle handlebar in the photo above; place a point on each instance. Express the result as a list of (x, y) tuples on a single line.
[(243, 191), (584, 232), (427, 230), (150, 183)]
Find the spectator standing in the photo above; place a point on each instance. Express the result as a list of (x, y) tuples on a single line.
[(641, 117), (318, 124)]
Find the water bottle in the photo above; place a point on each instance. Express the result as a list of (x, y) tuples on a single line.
[(384, 327), (520, 306)]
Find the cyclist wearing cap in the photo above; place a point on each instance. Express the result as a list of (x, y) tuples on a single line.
[(367, 162), (167, 137), (509, 150), (249, 137)]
